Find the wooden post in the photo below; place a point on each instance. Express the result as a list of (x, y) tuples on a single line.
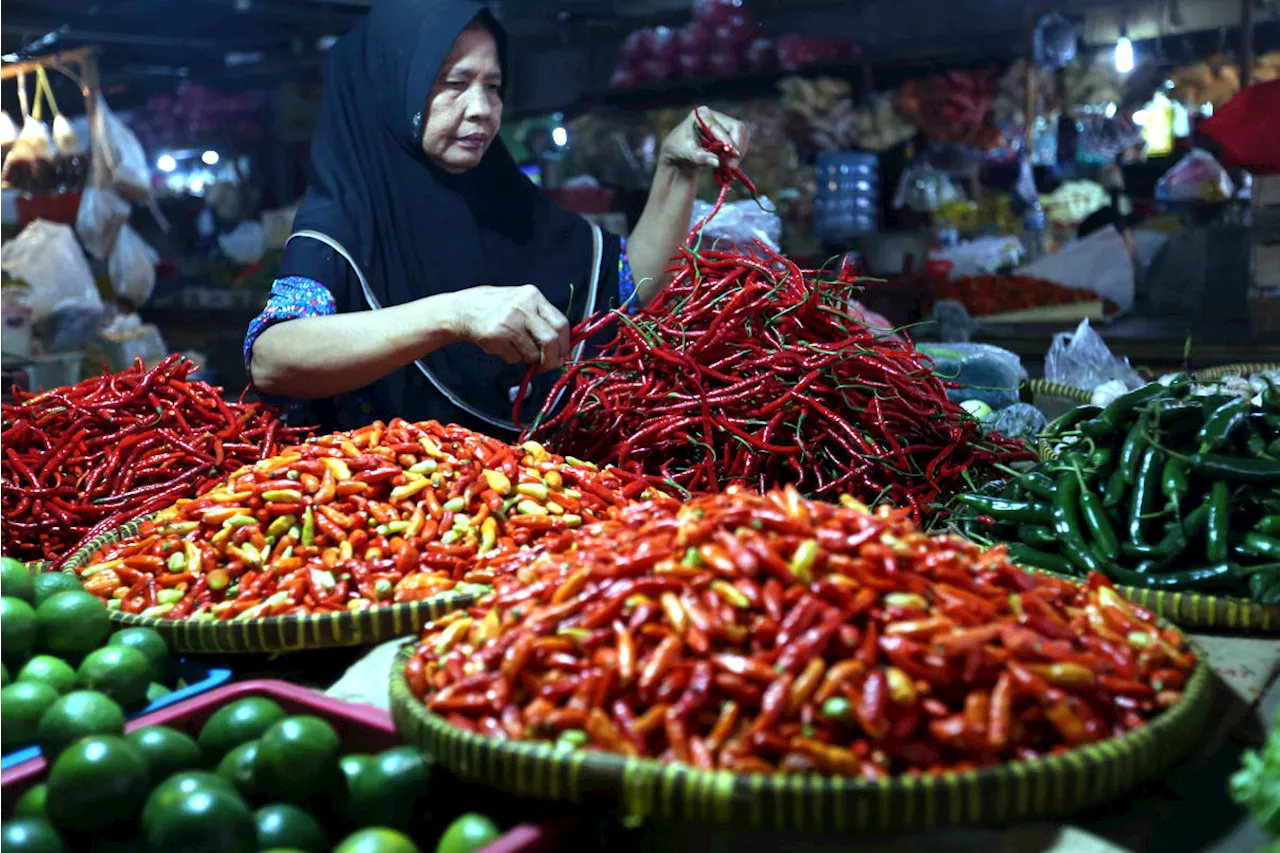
[(1030, 106), (1246, 42)]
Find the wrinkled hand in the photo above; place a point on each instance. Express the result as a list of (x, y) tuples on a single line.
[(516, 324), (683, 147)]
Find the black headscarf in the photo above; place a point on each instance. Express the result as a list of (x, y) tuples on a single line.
[(416, 230)]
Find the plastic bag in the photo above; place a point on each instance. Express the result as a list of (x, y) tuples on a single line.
[(132, 267), (1020, 420), (985, 372), (925, 189), (246, 244), (1100, 263), (1196, 177), (120, 154), (740, 222), (98, 222), (30, 166), (1054, 41), (47, 256), (1083, 360), (980, 256)]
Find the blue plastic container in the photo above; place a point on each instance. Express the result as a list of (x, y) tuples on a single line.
[(199, 678)]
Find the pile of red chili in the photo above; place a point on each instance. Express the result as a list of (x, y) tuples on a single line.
[(81, 460), (770, 633), (385, 513), (748, 369), (984, 295)]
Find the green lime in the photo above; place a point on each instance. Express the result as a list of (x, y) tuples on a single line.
[(376, 839), (78, 714), (96, 782), (21, 707), (72, 624), (49, 584), (31, 804), (150, 643), (380, 791), (46, 669), (206, 820), (16, 581), (19, 627), (30, 835), (468, 834), (298, 757), (240, 768), (236, 723), (286, 825), (121, 672), (167, 750), (178, 786)]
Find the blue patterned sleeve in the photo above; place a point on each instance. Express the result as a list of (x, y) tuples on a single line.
[(626, 281), (290, 298)]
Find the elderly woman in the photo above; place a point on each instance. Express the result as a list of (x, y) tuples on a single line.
[(425, 271)]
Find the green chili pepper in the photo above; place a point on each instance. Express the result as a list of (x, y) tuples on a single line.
[(1221, 423), (1215, 574), (1261, 546), (1255, 444), (1117, 413), (1264, 587), (308, 527), (1100, 459), (1173, 482), (1095, 518), (1037, 536), (1116, 489), (1074, 417), (1038, 484), (1066, 523), (1268, 526), (177, 561), (1144, 491), (1131, 452), (1025, 555), (1219, 521), (1007, 510), (1173, 414), (1234, 468)]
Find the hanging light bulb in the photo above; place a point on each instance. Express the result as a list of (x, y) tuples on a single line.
[(1124, 53)]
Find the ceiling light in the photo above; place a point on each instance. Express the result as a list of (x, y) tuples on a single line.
[(166, 163)]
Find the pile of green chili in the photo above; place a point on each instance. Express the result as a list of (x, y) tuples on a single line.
[(1159, 489)]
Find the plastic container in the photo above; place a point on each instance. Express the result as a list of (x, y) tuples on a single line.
[(199, 677), (363, 729), (847, 202)]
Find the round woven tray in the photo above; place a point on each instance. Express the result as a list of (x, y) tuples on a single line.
[(282, 633), (646, 788)]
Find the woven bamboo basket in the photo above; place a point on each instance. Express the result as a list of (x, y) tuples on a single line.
[(276, 634), (646, 788)]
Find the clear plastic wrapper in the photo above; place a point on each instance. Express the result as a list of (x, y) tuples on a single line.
[(1019, 420), (47, 256), (739, 223), (984, 372), (1196, 177), (1083, 360)]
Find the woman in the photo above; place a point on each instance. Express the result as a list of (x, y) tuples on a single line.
[(416, 210)]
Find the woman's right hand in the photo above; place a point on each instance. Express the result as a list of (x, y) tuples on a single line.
[(516, 324)]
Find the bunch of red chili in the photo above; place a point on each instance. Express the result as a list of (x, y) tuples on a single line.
[(83, 459), (770, 633), (748, 369), (385, 513), (983, 295)]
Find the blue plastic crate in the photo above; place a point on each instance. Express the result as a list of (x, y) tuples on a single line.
[(199, 678)]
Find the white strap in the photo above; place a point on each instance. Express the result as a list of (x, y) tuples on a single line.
[(597, 240)]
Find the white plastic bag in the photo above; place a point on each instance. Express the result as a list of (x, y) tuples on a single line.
[(30, 165), (1196, 177), (47, 256), (739, 223), (132, 267), (1083, 360), (1099, 262), (121, 154), (101, 216), (245, 244)]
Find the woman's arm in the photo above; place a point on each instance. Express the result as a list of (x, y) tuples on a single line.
[(664, 224), (308, 358)]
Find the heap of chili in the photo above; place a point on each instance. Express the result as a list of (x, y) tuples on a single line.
[(83, 459), (747, 369), (770, 633), (385, 513)]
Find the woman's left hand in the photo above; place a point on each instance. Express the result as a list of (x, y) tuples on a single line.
[(683, 147)]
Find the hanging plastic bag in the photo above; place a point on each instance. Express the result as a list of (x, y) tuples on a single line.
[(71, 165), (1083, 360), (8, 135), (245, 244), (121, 154), (98, 222), (132, 267), (29, 166), (47, 256)]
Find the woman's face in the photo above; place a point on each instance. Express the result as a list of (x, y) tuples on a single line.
[(465, 105)]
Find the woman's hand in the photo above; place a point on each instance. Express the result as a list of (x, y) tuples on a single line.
[(516, 324), (683, 147)]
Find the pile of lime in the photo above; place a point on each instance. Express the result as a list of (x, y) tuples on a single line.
[(254, 779), (65, 674)]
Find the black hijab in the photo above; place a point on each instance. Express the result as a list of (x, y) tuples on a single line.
[(415, 230)]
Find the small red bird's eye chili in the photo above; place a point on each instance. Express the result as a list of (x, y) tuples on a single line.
[(927, 664)]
